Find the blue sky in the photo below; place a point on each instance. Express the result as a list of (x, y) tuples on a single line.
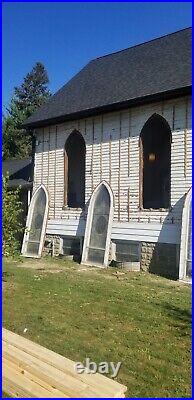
[(65, 36)]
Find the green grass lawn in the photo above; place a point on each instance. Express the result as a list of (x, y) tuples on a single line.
[(140, 319)]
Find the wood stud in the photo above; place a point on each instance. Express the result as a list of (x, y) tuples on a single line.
[(31, 370)]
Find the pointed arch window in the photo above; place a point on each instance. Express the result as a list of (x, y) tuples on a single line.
[(74, 171), (185, 262), (98, 227), (155, 163), (33, 240)]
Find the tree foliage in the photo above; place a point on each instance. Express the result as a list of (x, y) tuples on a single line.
[(17, 142), (12, 226)]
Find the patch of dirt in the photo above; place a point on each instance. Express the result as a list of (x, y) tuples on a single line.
[(7, 285), (41, 266)]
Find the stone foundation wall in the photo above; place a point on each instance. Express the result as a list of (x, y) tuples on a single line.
[(52, 245), (55, 245), (160, 259), (157, 258)]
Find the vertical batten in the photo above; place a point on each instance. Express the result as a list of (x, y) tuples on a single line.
[(101, 144), (45, 157), (110, 158), (42, 153), (55, 171), (97, 151), (89, 138), (92, 158), (49, 138), (105, 161), (119, 172)]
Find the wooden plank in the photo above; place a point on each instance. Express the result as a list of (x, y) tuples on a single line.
[(46, 372), (41, 354), (56, 370), (18, 383)]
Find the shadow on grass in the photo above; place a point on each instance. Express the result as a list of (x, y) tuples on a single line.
[(182, 318)]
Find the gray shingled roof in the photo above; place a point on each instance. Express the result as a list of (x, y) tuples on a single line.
[(159, 66), (19, 172)]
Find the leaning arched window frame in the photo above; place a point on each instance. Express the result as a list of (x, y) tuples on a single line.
[(89, 223), (28, 235), (184, 242)]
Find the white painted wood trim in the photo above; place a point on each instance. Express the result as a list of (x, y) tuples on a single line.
[(89, 225), (29, 196), (29, 220), (184, 235)]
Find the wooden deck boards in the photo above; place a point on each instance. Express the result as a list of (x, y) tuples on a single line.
[(30, 370)]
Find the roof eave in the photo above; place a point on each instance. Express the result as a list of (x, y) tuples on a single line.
[(112, 107)]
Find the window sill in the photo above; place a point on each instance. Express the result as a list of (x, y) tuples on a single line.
[(67, 208), (155, 209)]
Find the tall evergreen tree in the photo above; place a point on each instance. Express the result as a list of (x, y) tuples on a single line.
[(33, 92)]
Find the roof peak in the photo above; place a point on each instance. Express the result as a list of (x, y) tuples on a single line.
[(141, 44)]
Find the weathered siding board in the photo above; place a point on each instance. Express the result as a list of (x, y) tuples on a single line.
[(167, 233), (112, 154)]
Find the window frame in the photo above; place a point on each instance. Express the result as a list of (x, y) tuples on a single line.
[(184, 235), (88, 228), (28, 224), (141, 166), (66, 169)]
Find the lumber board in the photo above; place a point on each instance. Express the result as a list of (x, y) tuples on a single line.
[(27, 362), (17, 384)]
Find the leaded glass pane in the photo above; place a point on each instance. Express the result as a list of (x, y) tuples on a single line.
[(100, 219), (96, 256), (35, 229), (32, 248)]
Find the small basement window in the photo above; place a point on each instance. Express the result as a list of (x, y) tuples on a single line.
[(72, 246), (127, 251), (74, 170), (155, 168)]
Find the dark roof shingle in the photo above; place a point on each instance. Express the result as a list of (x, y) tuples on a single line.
[(19, 171), (155, 67)]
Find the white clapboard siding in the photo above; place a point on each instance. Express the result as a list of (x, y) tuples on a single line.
[(164, 233), (112, 154)]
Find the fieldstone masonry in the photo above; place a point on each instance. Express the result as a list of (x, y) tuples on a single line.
[(52, 245), (160, 259)]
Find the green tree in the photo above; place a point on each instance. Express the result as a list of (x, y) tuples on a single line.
[(11, 220), (33, 92)]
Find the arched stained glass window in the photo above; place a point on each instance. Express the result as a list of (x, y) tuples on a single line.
[(36, 224), (98, 227)]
